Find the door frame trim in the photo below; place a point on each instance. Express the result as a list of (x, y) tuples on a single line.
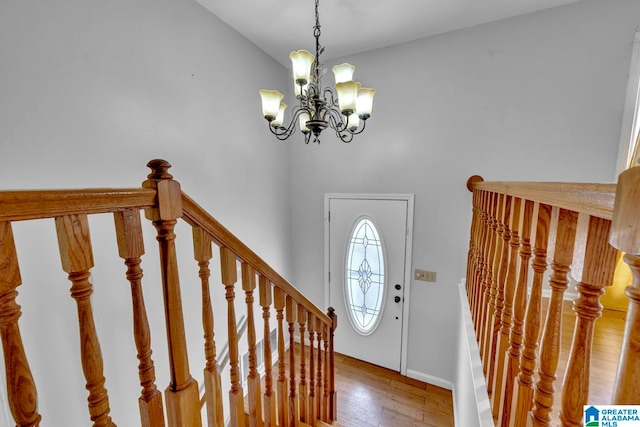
[(409, 198)]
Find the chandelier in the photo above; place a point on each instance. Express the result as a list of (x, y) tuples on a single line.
[(319, 108)]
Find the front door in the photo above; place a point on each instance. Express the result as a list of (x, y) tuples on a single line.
[(368, 253)]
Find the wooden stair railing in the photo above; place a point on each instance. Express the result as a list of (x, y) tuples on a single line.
[(579, 231), (307, 396)]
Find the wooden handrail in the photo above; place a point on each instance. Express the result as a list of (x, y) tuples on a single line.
[(39, 204), (197, 216), (588, 198)]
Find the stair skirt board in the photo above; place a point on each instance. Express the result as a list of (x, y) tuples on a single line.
[(470, 373)]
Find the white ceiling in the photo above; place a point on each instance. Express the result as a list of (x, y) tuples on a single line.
[(352, 26)]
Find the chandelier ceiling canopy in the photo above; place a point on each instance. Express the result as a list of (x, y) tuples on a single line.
[(345, 111)]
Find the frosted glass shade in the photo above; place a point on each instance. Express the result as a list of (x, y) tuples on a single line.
[(299, 91), (270, 103), (302, 122), (364, 102), (280, 116), (301, 61), (347, 94), (353, 122), (343, 72)]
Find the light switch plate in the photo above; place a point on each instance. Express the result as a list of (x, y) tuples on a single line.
[(424, 275)]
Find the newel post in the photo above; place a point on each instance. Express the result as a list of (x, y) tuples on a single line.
[(625, 236), (333, 397), (182, 397)]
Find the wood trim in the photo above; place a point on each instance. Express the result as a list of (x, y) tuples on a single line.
[(38, 204), (592, 199), (196, 216)]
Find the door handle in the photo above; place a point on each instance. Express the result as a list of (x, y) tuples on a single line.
[(397, 299), (397, 286)]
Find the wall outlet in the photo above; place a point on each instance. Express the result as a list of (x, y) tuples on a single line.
[(427, 276)]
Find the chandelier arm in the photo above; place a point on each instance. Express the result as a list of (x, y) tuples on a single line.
[(283, 133), (339, 126), (336, 120), (346, 137), (360, 129), (280, 132), (330, 97)]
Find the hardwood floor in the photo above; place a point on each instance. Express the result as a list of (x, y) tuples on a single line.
[(371, 396)]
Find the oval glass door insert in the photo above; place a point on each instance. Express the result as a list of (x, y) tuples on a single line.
[(365, 285)]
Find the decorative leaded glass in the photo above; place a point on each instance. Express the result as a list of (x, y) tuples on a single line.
[(364, 277)]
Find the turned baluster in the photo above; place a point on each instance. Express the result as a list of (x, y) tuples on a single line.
[(131, 249), (593, 271), (627, 387), (253, 379), (512, 368), (320, 402), (326, 403), (212, 380), (491, 277), (229, 278), (264, 287), (552, 335), (474, 248), (480, 261), (512, 245), (182, 396), (625, 236), (523, 391), (302, 385), (497, 288), (279, 303), (501, 266), (311, 411), (473, 242), (333, 395), (77, 260), (483, 225), (21, 388), (293, 398), (487, 276), (483, 272), (475, 288)]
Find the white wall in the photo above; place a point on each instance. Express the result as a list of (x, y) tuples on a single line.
[(537, 97), (92, 90)]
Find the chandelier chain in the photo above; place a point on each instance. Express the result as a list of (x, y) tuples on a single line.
[(316, 28), (317, 71)]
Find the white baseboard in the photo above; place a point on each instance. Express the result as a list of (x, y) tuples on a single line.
[(430, 379)]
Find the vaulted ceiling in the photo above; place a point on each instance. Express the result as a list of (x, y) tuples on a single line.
[(352, 26)]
